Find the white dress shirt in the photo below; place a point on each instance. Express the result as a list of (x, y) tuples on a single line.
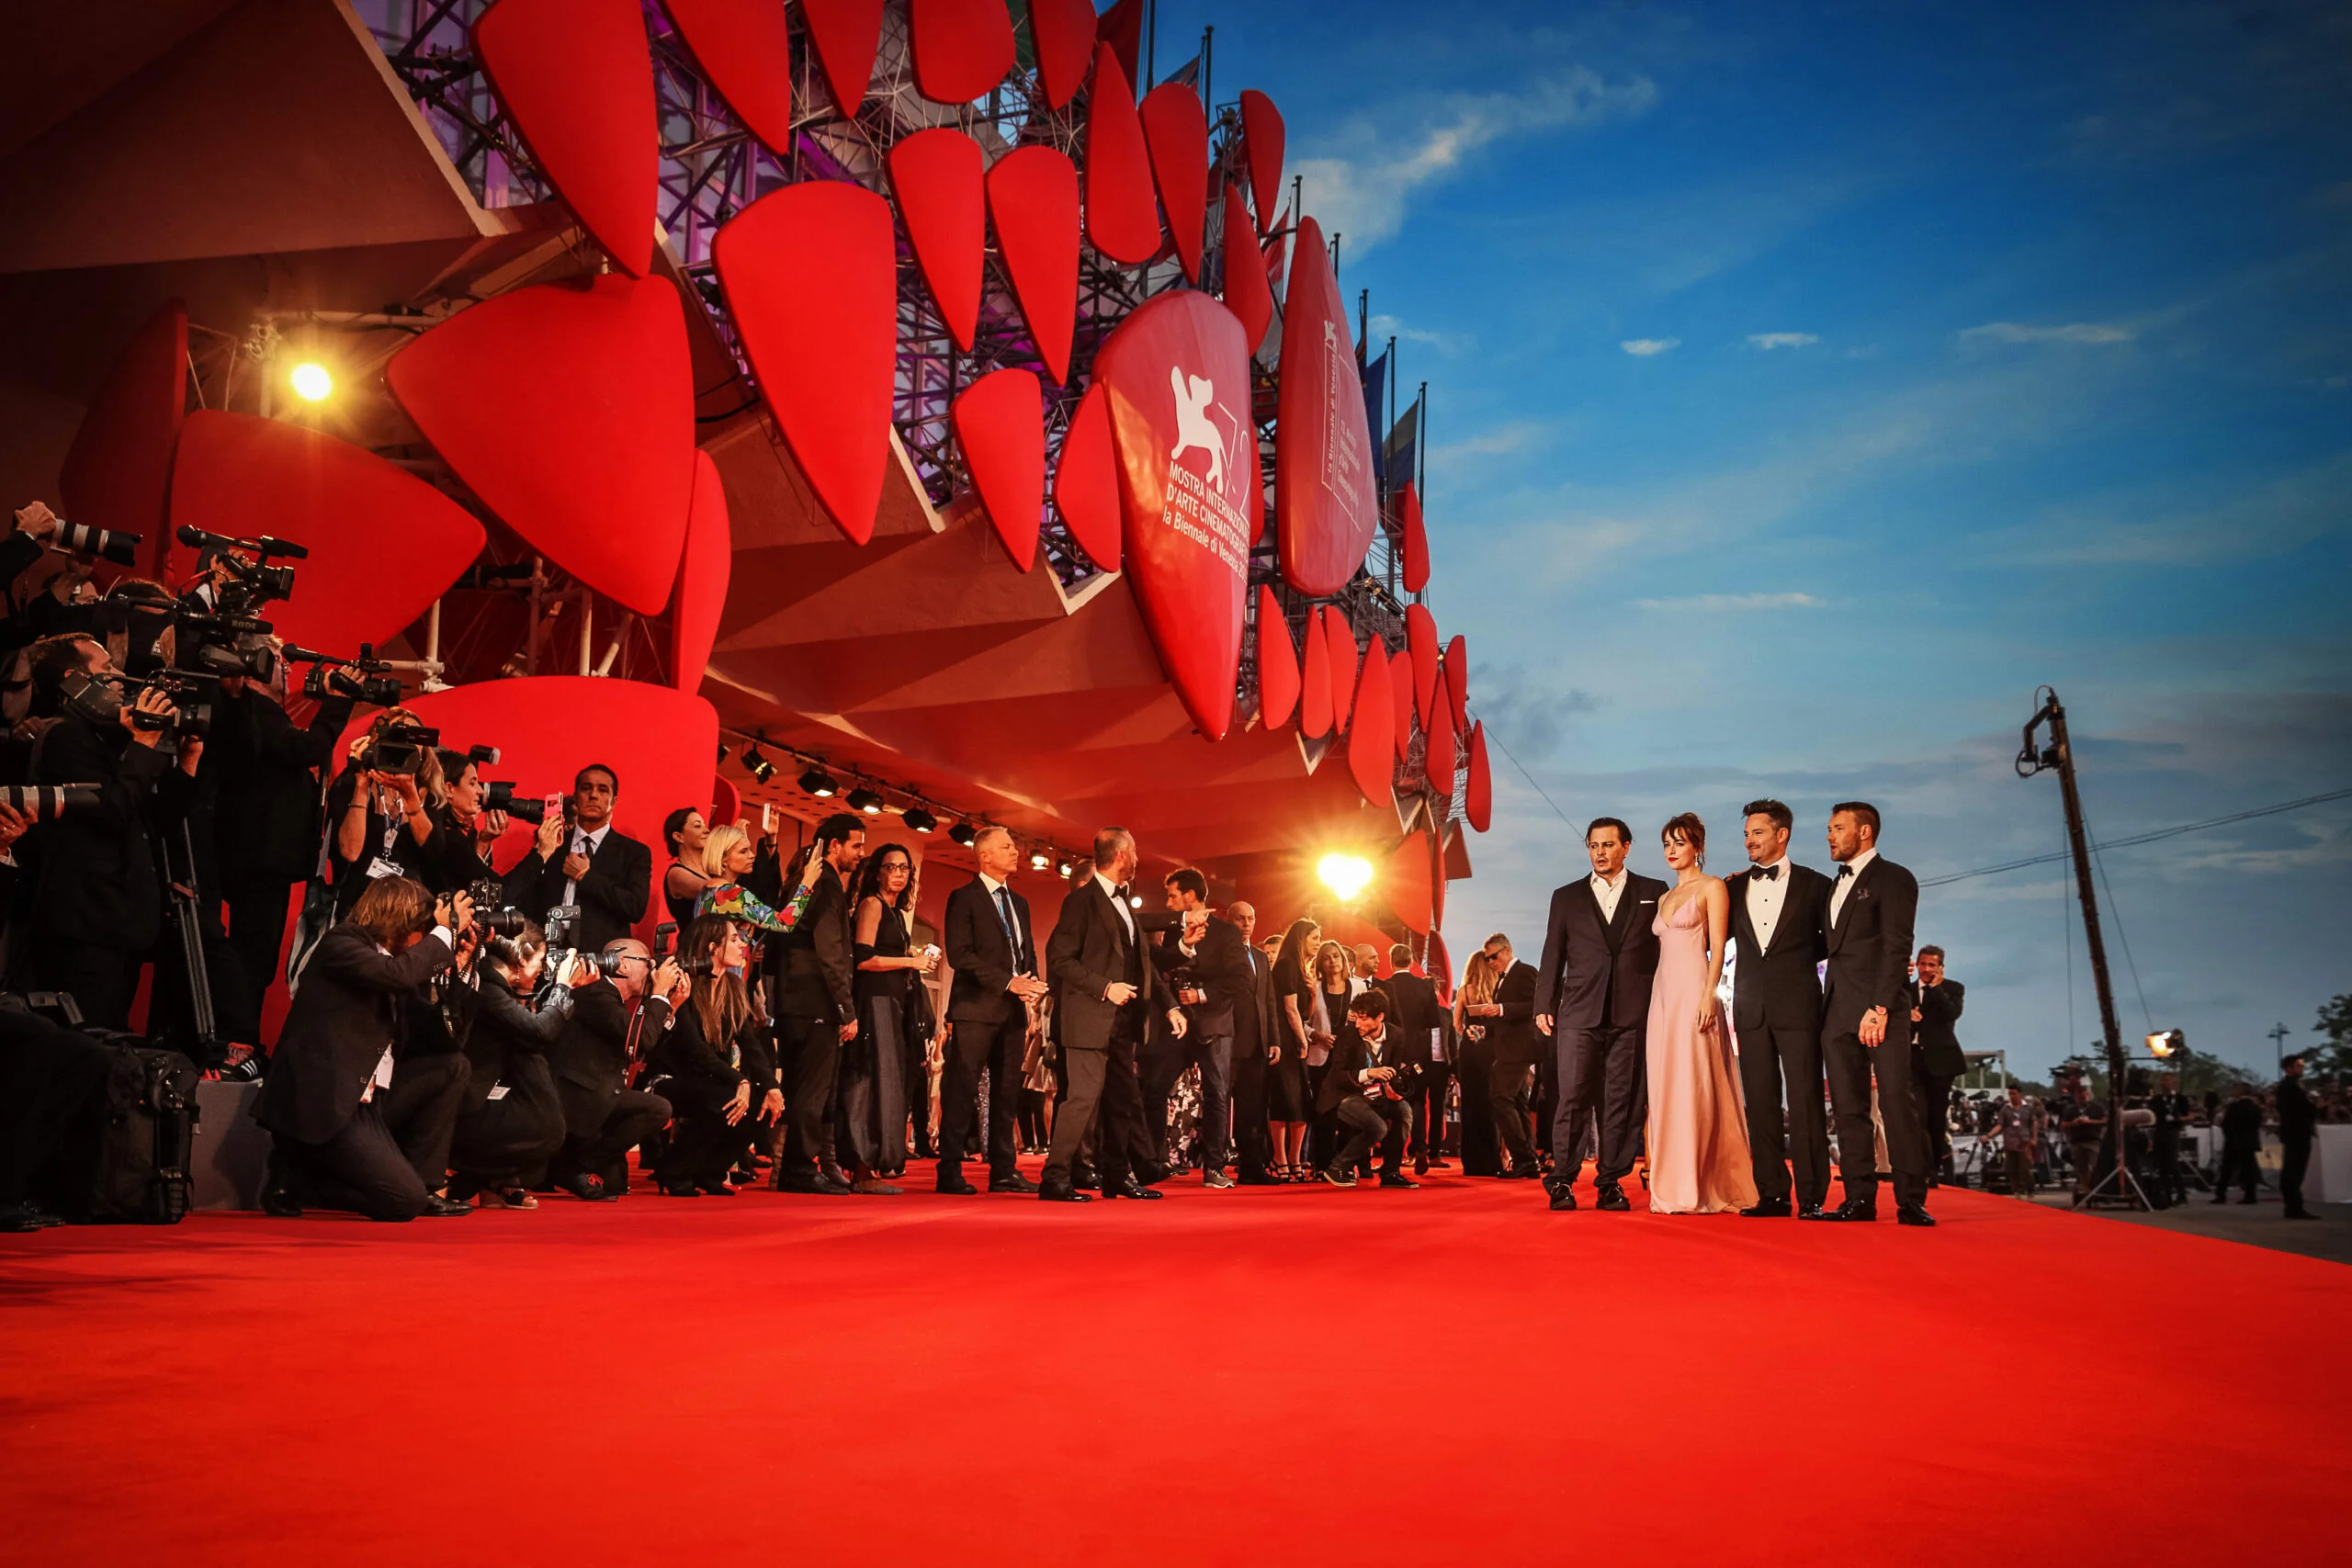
[(1608, 890), (383, 1077), (583, 844), (1111, 891), (1846, 882), (1764, 900)]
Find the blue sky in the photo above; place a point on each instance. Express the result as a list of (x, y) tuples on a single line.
[(1811, 382)]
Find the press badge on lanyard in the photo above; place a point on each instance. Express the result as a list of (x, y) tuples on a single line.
[(382, 866)]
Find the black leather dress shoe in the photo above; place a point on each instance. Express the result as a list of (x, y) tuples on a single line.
[(952, 1183), (1854, 1210), (1912, 1214), (812, 1183), (1131, 1188), (1086, 1179), (1055, 1192), (279, 1203), (1397, 1179), (1012, 1181), (443, 1208), (587, 1188), (1770, 1209), (1564, 1199), (1809, 1211), (18, 1219), (1611, 1197)]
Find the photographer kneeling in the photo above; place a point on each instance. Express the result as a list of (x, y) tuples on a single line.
[(346, 1137), (716, 1065), (603, 1118), (512, 1123), (95, 902), (1362, 1092)]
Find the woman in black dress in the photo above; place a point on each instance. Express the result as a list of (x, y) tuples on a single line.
[(512, 1121), (714, 1065), (685, 831), (380, 823), (871, 1123), (1286, 1100)]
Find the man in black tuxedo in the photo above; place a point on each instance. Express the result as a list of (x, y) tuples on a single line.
[(608, 874), (1254, 1038), (2298, 1127), (1105, 990), (816, 1006), (1205, 961), (1866, 1018), (1359, 1094), (590, 1061), (1936, 1056), (1592, 996), (1778, 911), (1417, 1022), (1511, 1033), (992, 947)]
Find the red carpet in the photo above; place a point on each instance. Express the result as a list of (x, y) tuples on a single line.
[(1282, 1376)]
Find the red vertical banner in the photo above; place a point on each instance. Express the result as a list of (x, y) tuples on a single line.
[(1324, 508)]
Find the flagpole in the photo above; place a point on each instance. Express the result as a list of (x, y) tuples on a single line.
[(1150, 42), (1208, 57), (1385, 490)]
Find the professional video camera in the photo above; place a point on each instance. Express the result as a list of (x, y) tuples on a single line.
[(99, 700), (376, 686), (249, 585), (401, 748), (564, 957), (47, 803)]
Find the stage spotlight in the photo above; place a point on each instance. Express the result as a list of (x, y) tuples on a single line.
[(722, 751), (1347, 875), (1134, 900), (1062, 869), (964, 833), (1040, 860), (918, 820), (311, 382), (865, 800), (820, 783), (757, 764), (2166, 1042)]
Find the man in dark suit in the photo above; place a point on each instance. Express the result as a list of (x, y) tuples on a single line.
[(1512, 1032), (816, 1006), (603, 870), (1936, 1057), (1778, 911), (1104, 989), (1357, 1093), (329, 1099), (2298, 1127), (591, 1060), (1206, 962), (1866, 1018), (1592, 998), (992, 947), (1417, 1023), (1253, 1043)]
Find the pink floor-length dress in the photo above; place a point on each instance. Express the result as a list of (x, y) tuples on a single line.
[(1698, 1128)]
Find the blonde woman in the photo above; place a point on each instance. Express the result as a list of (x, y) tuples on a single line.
[(1287, 1097), (727, 859)]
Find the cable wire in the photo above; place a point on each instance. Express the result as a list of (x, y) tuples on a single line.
[(1538, 788), (2150, 838)]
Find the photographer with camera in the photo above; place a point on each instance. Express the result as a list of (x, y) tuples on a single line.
[(379, 816), (1365, 1092), (714, 1065), (346, 1138), (594, 1055), (816, 1003), (606, 872), (96, 902), (471, 819), (510, 1124)]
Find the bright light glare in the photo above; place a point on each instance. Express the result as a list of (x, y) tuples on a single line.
[(311, 382), (1345, 875)]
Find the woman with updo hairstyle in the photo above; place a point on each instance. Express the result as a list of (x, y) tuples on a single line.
[(685, 831), (512, 1121), (715, 1064)]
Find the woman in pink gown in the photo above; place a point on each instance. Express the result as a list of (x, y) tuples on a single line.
[(1698, 1129)]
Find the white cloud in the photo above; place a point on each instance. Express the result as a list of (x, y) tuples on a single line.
[(1363, 194), (1770, 341), (2073, 331), (1718, 602), (1645, 347), (1391, 326)]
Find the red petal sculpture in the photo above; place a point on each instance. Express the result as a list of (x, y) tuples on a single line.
[(999, 422), (1086, 485), (118, 470), (962, 47), (1120, 27), (1400, 689), (574, 77), (1315, 682), (1033, 196), (810, 276), (1372, 743), (1441, 758), (1478, 793), (1061, 35), (1405, 884), (569, 412), (1277, 249), (745, 47), (1343, 664), (726, 802), (1122, 219), (1177, 380), (1324, 508), (942, 195), (1245, 293), (1261, 146), (1278, 683), (243, 476), (845, 33), (1176, 128), (1440, 966), (1437, 887), (1420, 641), (1457, 684), (1417, 539), (702, 570)]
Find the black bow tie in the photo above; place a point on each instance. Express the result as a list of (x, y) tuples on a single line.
[(1843, 872), (1770, 872)]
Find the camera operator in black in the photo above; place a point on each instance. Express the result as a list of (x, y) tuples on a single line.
[(603, 1118), (510, 1124), (1359, 1094), (380, 823), (466, 832), (95, 902), (816, 1004), (594, 865)]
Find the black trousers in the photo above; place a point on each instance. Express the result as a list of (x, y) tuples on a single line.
[(1479, 1154), (1359, 1121), (1098, 1087), (1932, 1092), (998, 1048), (48, 1076), (1850, 1065), (2171, 1186), (813, 1047), (386, 1159), (1603, 1072), (1252, 1148), (2294, 1164), (1427, 1105), (1157, 1070), (633, 1118), (1769, 1059), (101, 980), (1507, 1098), (510, 1140), (256, 929), (2241, 1168)]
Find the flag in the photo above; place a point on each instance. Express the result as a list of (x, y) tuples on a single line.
[(1375, 393), (1187, 74), (1399, 447)]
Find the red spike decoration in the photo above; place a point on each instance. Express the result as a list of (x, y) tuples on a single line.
[(1176, 128), (1086, 485), (1122, 219), (938, 176), (575, 78), (1324, 508), (1000, 426), (1278, 679), (702, 570), (1244, 282), (1033, 196), (962, 47), (1371, 742), (745, 47), (845, 34)]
